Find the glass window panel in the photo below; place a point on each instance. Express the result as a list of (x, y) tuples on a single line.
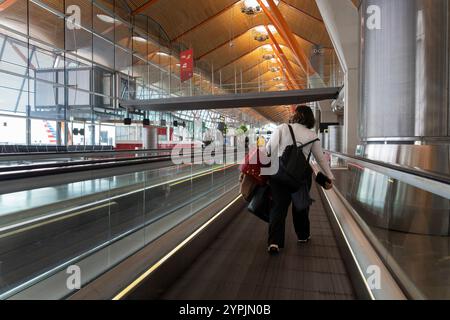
[(121, 8), (14, 57), (77, 134), (86, 11), (123, 34), (107, 135), (55, 5), (102, 102), (43, 132), (12, 130), (78, 99), (79, 78), (79, 43), (42, 59), (103, 81), (46, 26), (104, 23), (123, 61), (79, 40), (14, 16), (46, 93), (103, 52)]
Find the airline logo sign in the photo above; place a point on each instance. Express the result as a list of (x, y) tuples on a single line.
[(186, 64)]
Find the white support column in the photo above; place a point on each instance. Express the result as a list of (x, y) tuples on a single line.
[(341, 19)]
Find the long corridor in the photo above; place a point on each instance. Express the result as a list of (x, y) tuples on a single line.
[(236, 265)]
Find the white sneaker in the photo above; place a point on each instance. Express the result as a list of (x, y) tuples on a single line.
[(273, 249), (304, 240)]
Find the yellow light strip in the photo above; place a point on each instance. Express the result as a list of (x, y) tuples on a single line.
[(136, 282)]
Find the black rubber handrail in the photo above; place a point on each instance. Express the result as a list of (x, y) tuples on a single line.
[(71, 167), (72, 153), (79, 168), (401, 168), (27, 167)]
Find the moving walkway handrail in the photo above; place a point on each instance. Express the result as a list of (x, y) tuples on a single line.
[(59, 215), (54, 155), (72, 167), (71, 163), (422, 179)]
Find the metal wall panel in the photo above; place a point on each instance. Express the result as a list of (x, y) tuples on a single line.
[(409, 209), (404, 71), (336, 138)]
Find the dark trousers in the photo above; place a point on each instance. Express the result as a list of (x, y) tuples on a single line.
[(280, 205)]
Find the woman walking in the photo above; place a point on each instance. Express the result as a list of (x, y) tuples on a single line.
[(302, 123)]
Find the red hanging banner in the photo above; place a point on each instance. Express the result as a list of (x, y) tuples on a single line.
[(186, 65)]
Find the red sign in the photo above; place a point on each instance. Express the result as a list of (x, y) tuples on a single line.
[(186, 65)]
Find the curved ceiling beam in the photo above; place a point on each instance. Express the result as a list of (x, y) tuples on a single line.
[(287, 81), (144, 7), (277, 19), (243, 33), (296, 70), (246, 70), (229, 8), (259, 76), (302, 11), (244, 54), (206, 20), (222, 44), (282, 57), (288, 76), (259, 63)]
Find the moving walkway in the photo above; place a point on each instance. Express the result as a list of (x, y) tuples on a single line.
[(183, 232)]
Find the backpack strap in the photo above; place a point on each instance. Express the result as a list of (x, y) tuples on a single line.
[(311, 142), (303, 145), (307, 144), (294, 141)]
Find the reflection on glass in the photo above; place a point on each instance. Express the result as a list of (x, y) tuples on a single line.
[(411, 224), (64, 224)]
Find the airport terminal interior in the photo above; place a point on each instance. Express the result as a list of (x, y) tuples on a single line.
[(125, 127)]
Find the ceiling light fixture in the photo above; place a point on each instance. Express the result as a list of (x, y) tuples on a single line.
[(269, 57), (252, 7), (267, 47), (261, 29), (261, 37), (162, 54), (139, 39), (107, 19), (275, 69)]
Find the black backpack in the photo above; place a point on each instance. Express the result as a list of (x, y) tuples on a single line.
[(294, 166)]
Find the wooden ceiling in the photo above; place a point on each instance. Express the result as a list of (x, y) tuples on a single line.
[(223, 40), (220, 34)]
